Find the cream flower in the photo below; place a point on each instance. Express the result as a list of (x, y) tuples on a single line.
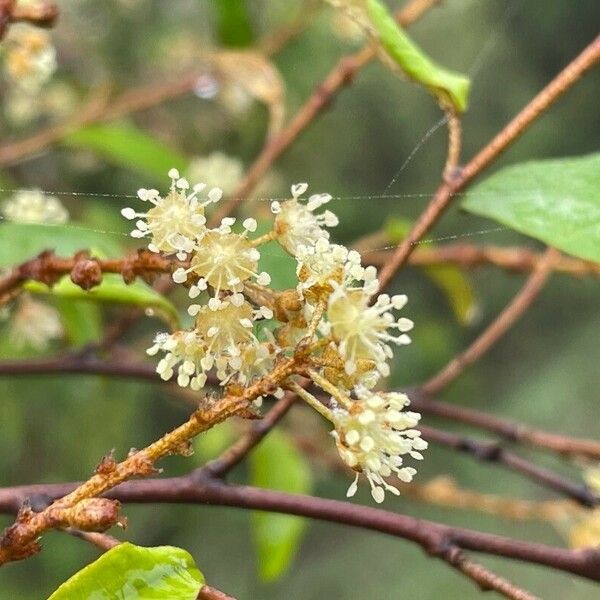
[(176, 221), (374, 435), (186, 349), (30, 59), (33, 206), (217, 168), (363, 331), (223, 339), (296, 224), (34, 324), (324, 265), (224, 260)]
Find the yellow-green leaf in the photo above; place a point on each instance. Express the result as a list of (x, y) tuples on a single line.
[(277, 464), (129, 572), (449, 87), (450, 279), (112, 290), (128, 146)]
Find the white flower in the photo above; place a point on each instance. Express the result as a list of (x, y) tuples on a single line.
[(223, 260), (176, 221), (324, 265), (363, 331), (33, 206), (223, 339), (30, 58), (297, 224), (217, 168), (186, 349), (34, 324), (374, 435)]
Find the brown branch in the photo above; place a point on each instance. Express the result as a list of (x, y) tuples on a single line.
[(433, 537), (446, 192), (493, 332), (210, 593), (519, 260), (231, 457), (341, 75), (78, 508), (510, 430), (42, 14), (483, 577), (494, 453), (85, 271)]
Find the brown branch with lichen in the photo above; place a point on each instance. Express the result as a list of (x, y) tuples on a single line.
[(20, 540)]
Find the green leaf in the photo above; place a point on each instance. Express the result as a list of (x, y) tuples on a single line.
[(128, 146), (20, 242), (450, 279), (234, 26), (82, 321), (277, 464), (447, 86), (556, 201), (131, 572), (112, 290)]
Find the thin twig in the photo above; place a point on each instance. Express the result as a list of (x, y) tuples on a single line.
[(507, 429), (501, 324), (341, 75), (494, 453), (519, 260), (517, 126), (231, 457)]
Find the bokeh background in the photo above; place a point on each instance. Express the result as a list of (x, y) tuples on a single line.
[(545, 371)]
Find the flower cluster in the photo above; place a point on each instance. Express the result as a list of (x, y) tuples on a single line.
[(33, 206), (30, 58), (332, 327)]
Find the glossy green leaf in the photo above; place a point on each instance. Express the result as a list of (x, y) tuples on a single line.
[(277, 464), (234, 25), (129, 572), (112, 290), (556, 201), (20, 242), (128, 146), (447, 86), (450, 279)]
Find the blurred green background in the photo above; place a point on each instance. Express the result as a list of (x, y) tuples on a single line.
[(543, 372)]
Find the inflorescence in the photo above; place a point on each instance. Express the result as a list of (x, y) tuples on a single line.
[(334, 323)]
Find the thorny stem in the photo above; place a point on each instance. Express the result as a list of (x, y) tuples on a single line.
[(445, 193), (503, 322)]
